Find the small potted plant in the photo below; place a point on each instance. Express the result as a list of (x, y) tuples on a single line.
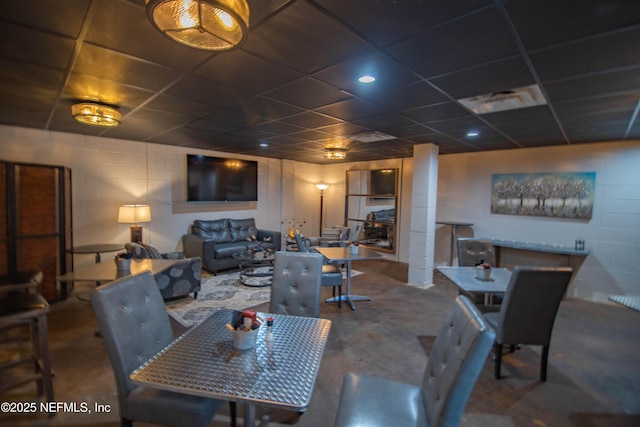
[(123, 260)]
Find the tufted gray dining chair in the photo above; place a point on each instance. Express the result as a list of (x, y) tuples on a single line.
[(455, 361), (135, 326), (473, 251), (295, 289)]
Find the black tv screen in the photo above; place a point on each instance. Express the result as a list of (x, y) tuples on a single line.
[(215, 179)]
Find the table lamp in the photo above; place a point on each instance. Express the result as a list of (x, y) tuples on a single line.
[(135, 214)]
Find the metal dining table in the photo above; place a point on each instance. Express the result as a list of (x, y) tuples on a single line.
[(279, 374), (466, 280), (344, 255)]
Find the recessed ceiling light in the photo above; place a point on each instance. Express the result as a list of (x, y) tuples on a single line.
[(522, 97), (264, 144), (366, 79), (473, 133)]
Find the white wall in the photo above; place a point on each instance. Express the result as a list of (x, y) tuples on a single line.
[(107, 173), (110, 172), (612, 234)]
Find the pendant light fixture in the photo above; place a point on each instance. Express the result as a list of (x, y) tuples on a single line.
[(96, 114), (202, 24)]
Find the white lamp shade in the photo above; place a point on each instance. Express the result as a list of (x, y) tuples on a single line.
[(134, 214)]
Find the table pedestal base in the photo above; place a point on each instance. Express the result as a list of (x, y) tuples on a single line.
[(349, 299)]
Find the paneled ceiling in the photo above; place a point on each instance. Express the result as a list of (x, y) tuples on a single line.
[(293, 85)]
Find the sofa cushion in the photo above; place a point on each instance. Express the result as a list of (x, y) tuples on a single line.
[(216, 230), (241, 229), (226, 250)]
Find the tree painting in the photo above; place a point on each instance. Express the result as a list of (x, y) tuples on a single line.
[(560, 195)]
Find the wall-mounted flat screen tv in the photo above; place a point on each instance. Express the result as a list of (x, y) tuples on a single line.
[(216, 179)]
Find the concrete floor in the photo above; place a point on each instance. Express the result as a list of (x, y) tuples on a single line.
[(593, 376)]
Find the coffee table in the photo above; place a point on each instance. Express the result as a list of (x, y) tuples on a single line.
[(104, 272), (256, 269)]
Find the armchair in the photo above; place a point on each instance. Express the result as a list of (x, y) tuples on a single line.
[(143, 251), (334, 236), (455, 361), (182, 278), (528, 311)]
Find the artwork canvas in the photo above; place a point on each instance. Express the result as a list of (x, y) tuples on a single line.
[(558, 195)]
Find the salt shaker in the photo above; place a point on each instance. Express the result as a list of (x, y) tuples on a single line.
[(268, 336)]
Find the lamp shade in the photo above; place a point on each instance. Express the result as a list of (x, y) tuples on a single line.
[(134, 214), (203, 24), (322, 186)]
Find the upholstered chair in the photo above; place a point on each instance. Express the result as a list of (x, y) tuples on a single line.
[(135, 326), (455, 361), (528, 311), (144, 251), (295, 289), (182, 278), (473, 251), (331, 274)]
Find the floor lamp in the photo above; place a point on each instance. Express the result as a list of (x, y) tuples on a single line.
[(134, 214), (321, 186)]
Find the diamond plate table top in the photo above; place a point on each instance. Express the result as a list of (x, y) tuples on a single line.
[(465, 278), (203, 362)]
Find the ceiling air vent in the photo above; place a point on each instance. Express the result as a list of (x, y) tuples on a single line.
[(522, 97), (371, 137)]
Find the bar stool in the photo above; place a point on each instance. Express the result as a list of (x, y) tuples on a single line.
[(19, 307)]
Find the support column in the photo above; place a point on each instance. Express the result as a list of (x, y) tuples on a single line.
[(423, 214)]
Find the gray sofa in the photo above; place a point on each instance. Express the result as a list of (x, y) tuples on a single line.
[(215, 241)]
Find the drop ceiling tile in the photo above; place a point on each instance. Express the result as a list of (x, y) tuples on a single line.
[(353, 108), (314, 33), (409, 96), (84, 87), (310, 119), (207, 92), (243, 70), (383, 123), (171, 104), (343, 129), (268, 108), (437, 112), (111, 65), (387, 21), (48, 15), (595, 86), (307, 93), (457, 45), (494, 77), (594, 55), (33, 46), (542, 24)]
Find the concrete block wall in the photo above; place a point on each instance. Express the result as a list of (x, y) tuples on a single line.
[(612, 235)]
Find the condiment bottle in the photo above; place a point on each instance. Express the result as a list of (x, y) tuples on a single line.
[(269, 334)]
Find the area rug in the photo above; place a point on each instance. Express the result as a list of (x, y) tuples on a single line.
[(222, 291)]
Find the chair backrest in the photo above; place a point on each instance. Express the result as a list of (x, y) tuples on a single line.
[(142, 251), (473, 251), (295, 289), (455, 362), (134, 324), (530, 304), (302, 246)]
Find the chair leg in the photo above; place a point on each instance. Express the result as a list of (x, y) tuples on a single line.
[(340, 296), (543, 362), (232, 413), (498, 349)]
